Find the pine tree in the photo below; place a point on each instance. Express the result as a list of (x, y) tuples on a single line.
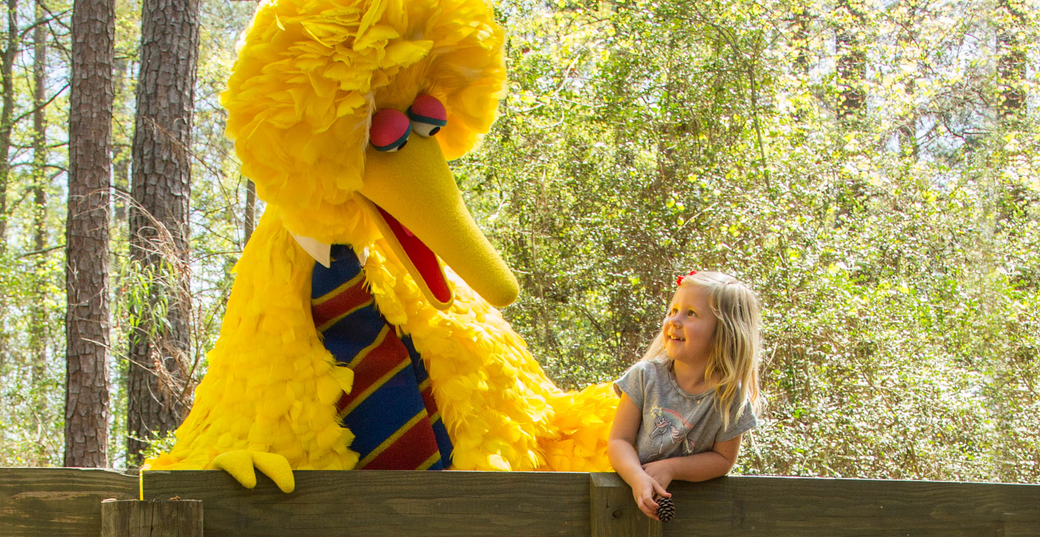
[(158, 390), (86, 234)]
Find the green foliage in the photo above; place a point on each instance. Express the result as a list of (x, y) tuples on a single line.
[(895, 254), (215, 220), (32, 290), (894, 245)]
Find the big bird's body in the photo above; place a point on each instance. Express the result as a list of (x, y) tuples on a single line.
[(310, 75)]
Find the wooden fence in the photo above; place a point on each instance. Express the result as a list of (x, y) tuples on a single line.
[(38, 502)]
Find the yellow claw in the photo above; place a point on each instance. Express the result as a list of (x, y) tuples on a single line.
[(240, 463), (277, 468)]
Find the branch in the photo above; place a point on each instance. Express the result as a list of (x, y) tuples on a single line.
[(38, 252), (13, 206), (42, 106), (59, 18), (31, 27), (66, 54)]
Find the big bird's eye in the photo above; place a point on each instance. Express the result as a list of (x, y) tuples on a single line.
[(390, 130), (428, 116)]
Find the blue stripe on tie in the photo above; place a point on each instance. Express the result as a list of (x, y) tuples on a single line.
[(343, 268), (354, 332), (439, 430), (398, 400), (381, 420)]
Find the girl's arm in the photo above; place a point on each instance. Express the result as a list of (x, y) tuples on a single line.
[(699, 467), (625, 460)]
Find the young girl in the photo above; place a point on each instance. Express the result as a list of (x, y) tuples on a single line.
[(685, 405)]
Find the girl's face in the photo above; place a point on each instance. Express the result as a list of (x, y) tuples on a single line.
[(690, 325)]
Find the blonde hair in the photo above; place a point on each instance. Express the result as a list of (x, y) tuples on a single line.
[(736, 344)]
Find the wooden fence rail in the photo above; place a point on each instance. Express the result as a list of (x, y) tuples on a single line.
[(67, 502)]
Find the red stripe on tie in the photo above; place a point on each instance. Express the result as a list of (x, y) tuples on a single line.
[(374, 366), (347, 300), (410, 451), (428, 401)]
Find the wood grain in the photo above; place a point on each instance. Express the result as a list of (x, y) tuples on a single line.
[(807, 507), (152, 518), (45, 502), (613, 510), (387, 503), (48, 502)]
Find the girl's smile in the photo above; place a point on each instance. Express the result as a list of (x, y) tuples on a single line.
[(690, 325)]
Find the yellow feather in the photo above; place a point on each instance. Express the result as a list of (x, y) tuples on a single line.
[(308, 76), (344, 378)]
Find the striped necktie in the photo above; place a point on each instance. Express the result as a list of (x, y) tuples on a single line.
[(390, 409)]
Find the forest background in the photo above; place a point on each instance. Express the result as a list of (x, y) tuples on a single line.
[(869, 167)]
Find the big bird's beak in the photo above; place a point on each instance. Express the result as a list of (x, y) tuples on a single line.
[(421, 214)]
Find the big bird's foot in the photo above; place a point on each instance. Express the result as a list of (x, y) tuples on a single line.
[(240, 463)]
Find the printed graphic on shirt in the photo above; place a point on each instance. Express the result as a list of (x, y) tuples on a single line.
[(673, 427)]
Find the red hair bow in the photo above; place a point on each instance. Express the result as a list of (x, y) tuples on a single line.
[(678, 281)]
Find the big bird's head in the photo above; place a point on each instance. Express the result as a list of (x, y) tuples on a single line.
[(345, 112)]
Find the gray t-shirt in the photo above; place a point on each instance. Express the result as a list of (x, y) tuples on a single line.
[(675, 423)]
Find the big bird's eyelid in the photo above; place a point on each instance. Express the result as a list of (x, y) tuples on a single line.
[(428, 115), (389, 131)]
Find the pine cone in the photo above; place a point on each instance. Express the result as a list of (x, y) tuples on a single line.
[(665, 509)]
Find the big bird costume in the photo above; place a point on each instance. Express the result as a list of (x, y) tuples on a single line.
[(344, 113)]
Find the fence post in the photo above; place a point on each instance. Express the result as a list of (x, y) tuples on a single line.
[(152, 518), (613, 511)]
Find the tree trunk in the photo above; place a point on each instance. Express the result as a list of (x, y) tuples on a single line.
[(38, 311), (158, 391), (906, 39), (86, 234), (852, 63), (803, 20), (1013, 110), (249, 222), (1011, 61), (7, 56), (12, 44), (120, 156)]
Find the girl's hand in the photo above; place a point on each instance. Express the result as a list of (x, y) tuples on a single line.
[(660, 471), (622, 452), (644, 488)]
